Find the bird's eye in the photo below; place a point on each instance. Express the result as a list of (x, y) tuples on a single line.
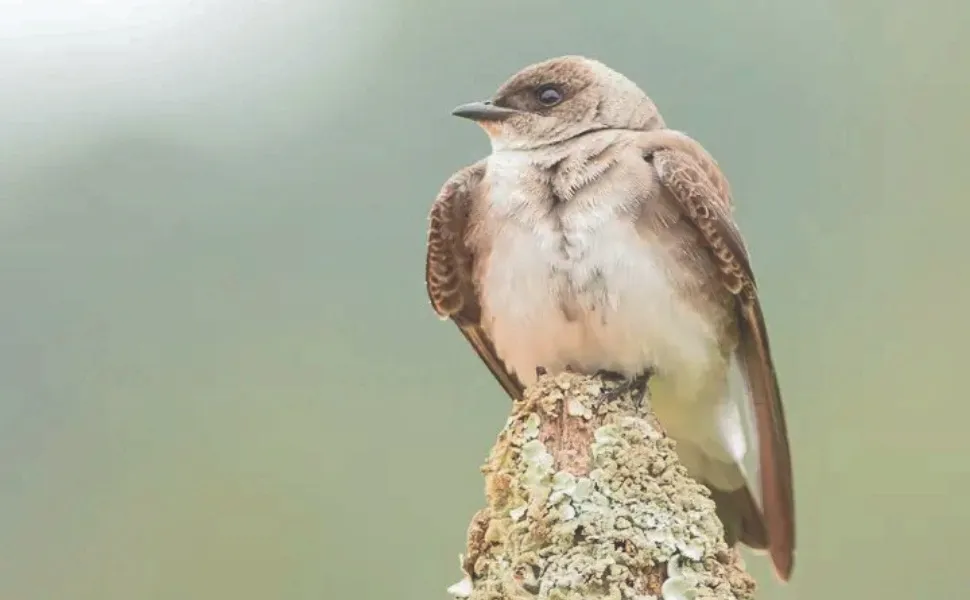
[(549, 95)]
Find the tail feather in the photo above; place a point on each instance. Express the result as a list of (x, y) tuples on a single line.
[(737, 508), (742, 518)]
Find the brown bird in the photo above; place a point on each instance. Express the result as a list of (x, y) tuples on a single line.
[(594, 238)]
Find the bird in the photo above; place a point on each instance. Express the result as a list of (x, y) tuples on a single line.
[(596, 239)]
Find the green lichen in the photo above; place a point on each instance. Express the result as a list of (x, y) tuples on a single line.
[(681, 584), (537, 466), (531, 429), (633, 526)]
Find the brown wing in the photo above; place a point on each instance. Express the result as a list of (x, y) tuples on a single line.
[(448, 270), (686, 176)]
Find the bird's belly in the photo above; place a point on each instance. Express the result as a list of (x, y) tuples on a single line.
[(611, 304)]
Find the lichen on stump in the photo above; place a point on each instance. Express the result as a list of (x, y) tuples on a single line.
[(588, 500)]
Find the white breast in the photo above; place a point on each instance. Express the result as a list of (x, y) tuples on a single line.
[(580, 287)]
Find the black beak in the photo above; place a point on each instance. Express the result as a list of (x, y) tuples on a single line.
[(483, 111)]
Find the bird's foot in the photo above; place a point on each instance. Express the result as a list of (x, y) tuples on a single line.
[(610, 375), (636, 386), (540, 371)]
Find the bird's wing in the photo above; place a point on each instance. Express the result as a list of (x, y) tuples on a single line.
[(448, 270), (695, 181)]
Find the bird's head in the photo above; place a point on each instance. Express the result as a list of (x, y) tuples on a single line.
[(559, 99)]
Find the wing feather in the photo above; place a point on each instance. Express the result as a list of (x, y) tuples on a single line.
[(449, 267), (690, 178)]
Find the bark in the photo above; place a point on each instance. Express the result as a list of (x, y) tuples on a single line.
[(588, 500)]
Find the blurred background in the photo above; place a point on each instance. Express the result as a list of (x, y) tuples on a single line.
[(219, 373)]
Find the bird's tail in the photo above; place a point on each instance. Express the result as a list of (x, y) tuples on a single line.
[(742, 517)]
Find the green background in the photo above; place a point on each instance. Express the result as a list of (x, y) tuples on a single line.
[(219, 373)]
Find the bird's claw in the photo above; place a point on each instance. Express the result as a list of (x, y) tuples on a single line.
[(606, 375), (637, 386)]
